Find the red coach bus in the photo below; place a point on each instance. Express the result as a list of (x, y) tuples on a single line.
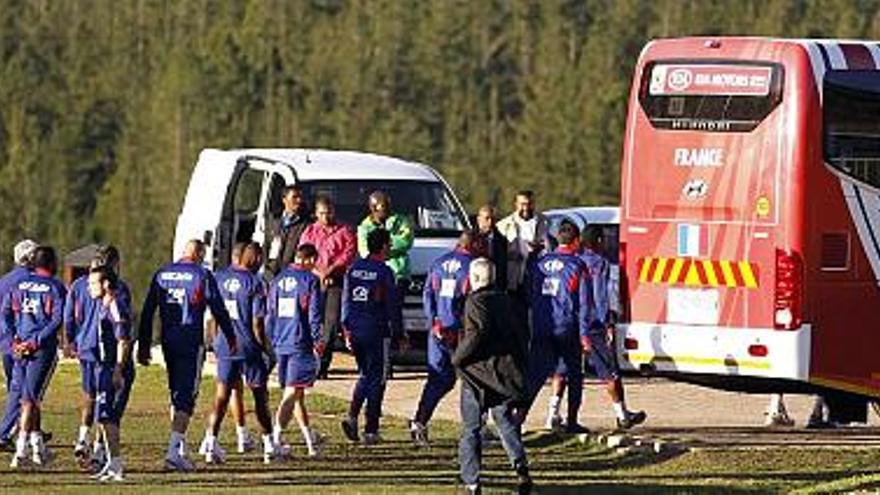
[(750, 214)]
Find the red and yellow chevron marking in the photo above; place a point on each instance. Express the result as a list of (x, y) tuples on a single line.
[(699, 273)]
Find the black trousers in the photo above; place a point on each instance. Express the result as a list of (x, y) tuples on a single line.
[(332, 315)]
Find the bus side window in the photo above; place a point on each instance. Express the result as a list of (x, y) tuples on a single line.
[(851, 116)]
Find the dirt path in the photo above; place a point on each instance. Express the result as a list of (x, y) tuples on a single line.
[(684, 413)]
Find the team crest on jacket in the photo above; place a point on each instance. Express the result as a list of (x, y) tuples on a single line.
[(360, 294)]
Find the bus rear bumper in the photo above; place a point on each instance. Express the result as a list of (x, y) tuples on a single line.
[(672, 348)]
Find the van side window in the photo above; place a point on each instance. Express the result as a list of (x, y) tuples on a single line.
[(276, 192), (247, 191), (851, 117)]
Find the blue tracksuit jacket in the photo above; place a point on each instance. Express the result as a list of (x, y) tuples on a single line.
[(182, 291), (33, 310), (598, 266), (7, 283), (561, 294), (370, 303), (446, 288), (80, 312), (293, 316), (244, 294)]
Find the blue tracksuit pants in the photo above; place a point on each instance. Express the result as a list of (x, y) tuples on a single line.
[(441, 378), (371, 354)]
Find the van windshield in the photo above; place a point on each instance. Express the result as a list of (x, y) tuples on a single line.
[(429, 205)]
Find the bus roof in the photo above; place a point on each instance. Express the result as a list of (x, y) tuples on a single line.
[(841, 54)]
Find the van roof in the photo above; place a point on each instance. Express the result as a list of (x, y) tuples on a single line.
[(320, 164)]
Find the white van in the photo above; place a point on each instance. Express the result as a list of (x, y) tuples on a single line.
[(233, 195)]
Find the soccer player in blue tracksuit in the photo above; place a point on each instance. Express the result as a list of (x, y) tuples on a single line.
[(110, 334), (293, 322), (371, 316), (563, 313), (182, 291), (22, 255), (244, 293), (445, 290), (33, 311), (600, 351), (80, 313), (599, 346)]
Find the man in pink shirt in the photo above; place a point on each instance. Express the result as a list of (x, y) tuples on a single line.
[(337, 249)]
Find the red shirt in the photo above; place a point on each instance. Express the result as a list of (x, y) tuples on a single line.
[(336, 245)]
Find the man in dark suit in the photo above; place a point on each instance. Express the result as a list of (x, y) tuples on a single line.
[(284, 235), (490, 358), (497, 243)]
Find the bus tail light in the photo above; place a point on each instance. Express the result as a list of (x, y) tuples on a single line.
[(630, 344), (789, 295), (758, 350)]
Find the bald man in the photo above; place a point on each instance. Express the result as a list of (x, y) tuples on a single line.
[(182, 291), (496, 243)]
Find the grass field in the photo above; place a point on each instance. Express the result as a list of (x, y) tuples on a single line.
[(560, 465)]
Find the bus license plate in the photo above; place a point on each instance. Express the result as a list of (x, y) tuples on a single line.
[(692, 306)]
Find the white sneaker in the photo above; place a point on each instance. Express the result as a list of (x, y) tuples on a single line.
[(215, 455), (178, 462), (104, 468), (113, 473), (419, 433), (99, 455), (41, 457), (203, 447), (778, 419), (553, 423), (18, 461), (273, 454), (246, 444), (316, 444), (81, 450)]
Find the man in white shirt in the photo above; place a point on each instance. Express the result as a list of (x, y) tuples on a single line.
[(527, 233)]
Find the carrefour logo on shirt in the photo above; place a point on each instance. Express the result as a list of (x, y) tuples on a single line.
[(287, 284), (176, 276), (232, 285), (451, 266), (553, 266)]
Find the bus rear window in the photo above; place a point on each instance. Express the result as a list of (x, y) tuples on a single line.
[(709, 96), (852, 123)]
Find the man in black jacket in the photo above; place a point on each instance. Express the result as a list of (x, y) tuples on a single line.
[(284, 235), (491, 360), (497, 243)]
